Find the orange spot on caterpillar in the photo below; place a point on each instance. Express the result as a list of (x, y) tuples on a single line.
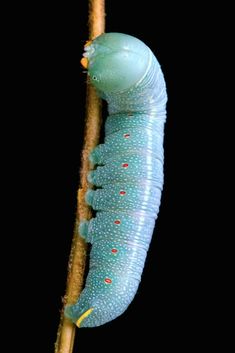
[(84, 62), (108, 280)]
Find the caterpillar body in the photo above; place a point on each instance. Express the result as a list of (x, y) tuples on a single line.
[(128, 175)]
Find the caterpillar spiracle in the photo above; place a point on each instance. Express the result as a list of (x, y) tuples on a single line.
[(128, 175)]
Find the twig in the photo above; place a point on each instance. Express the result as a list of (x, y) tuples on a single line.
[(76, 266)]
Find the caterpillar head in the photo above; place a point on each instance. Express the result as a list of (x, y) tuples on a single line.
[(115, 61)]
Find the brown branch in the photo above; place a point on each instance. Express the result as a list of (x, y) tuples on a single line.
[(76, 266)]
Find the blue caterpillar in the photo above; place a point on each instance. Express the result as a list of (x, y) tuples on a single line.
[(128, 175)]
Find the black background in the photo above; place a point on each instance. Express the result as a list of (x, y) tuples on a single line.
[(172, 307)]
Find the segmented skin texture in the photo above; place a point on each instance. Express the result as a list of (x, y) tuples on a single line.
[(128, 175)]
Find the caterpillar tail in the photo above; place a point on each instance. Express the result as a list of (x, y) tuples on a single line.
[(83, 316), (79, 321)]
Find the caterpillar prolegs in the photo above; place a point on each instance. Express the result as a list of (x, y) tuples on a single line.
[(128, 175)]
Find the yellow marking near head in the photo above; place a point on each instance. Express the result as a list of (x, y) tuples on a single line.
[(84, 62), (83, 316), (88, 42)]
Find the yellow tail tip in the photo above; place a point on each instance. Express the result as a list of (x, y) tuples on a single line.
[(83, 316)]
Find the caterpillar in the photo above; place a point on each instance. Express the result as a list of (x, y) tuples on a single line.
[(128, 175)]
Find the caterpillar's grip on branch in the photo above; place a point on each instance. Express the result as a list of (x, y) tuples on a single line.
[(128, 175)]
